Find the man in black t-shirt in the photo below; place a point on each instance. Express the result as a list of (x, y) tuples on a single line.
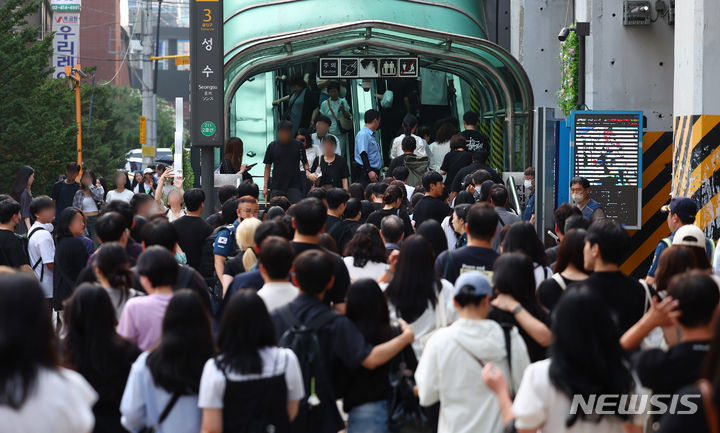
[(480, 226), (476, 140), (283, 156), (63, 191), (456, 159), (336, 200), (12, 249), (192, 229), (606, 245), (479, 162), (432, 206)]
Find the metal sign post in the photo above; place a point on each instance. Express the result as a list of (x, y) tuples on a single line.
[(206, 88)]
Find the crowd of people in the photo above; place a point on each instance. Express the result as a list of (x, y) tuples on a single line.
[(376, 305)]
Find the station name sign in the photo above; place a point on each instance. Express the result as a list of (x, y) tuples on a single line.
[(368, 67)]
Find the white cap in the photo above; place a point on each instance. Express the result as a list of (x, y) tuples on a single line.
[(690, 236)]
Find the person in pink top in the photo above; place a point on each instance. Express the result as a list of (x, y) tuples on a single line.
[(141, 319)]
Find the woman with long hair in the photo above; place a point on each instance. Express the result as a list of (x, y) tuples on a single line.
[(71, 254), (22, 193), (569, 269), (522, 238), (167, 379), (92, 348), (415, 294), (673, 261), (365, 254), (260, 384), (393, 200), (112, 269), (137, 180), (35, 392), (454, 225), (313, 153), (246, 257), (409, 128), (232, 159), (515, 303), (441, 146), (433, 232), (123, 188), (89, 199)]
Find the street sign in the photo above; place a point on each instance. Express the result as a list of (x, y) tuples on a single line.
[(182, 61), (143, 130), (368, 67), (206, 73), (65, 6), (66, 43)]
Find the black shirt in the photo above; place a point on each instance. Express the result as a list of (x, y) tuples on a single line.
[(234, 266), (333, 172), (340, 232), (467, 258), (336, 294), (63, 193), (666, 372), (12, 250), (226, 167), (192, 232), (376, 218), (681, 421), (549, 292), (453, 162), (71, 257), (625, 297), (535, 350), (398, 161), (285, 159), (470, 169), (476, 140), (430, 208), (352, 225)]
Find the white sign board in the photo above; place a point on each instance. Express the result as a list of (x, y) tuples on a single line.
[(66, 44)]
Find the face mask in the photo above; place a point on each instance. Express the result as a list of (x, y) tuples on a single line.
[(527, 184), (181, 258), (577, 198)]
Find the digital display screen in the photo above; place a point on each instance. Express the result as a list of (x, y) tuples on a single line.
[(607, 151)]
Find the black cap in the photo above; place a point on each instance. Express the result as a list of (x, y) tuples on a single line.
[(683, 207)]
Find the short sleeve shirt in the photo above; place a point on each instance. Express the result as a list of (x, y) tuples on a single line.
[(285, 159), (334, 172), (225, 244), (12, 251), (366, 142), (41, 251)]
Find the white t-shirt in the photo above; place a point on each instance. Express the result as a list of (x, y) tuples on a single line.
[(410, 191), (274, 360), (42, 247), (125, 196), (538, 404), (542, 273), (277, 295), (89, 205), (61, 402), (397, 146), (437, 152), (372, 270)]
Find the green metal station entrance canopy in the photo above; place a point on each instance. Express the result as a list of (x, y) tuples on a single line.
[(450, 37)]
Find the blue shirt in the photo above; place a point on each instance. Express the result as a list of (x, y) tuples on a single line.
[(366, 142), (530, 208), (225, 244)]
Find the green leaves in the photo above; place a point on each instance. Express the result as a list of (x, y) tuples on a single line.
[(567, 97)]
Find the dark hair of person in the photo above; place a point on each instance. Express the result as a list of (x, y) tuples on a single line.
[(701, 259), (245, 328), (285, 125), (110, 227), (522, 238), (63, 221), (416, 197), (461, 210), (8, 209), (93, 180), (193, 198), (72, 167), (28, 340), (698, 296), (562, 213), (330, 139), (328, 242), (457, 141), (586, 356), (248, 187), (322, 118), (371, 115), (276, 256), (313, 270), (91, 346), (366, 246), (273, 212), (579, 180), (309, 216), (530, 171), (271, 228), (392, 228), (368, 191), (318, 193), (485, 189), (480, 176), (408, 144), (414, 283), (424, 131), (21, 181), (229, 210), (401, 173), (576, 222), (353, 207), (121, 207), (481, 156), (379, 188), (611, 239), (408, 123), (570, 251), (280, 201), (160, 231), (357, 191), (176, 364), (334, 84), (431, 178), (464, 197), (482, 221), (471, 118), (39, 204), (296, 80), (307, 135), (139, 199), (673, 261), (501, 234), (445, 132), (368, 310), (234, 152), (514, 275), (158, 264), (392, 194), (466, 296), (226, 192), (112, 261), (336, 197), (433, 232), (499, 195)]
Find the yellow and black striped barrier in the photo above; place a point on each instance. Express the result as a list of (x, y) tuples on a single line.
[(497, 144), (657, 179)]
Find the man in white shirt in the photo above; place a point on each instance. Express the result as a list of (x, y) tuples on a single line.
[(322, 130), (276, 258), (41, 246)]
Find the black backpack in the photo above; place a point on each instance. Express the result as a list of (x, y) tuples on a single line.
[(303, 340), (26, 243)]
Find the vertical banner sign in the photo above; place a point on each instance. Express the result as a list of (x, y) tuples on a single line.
[(66, 26), (206, 73)]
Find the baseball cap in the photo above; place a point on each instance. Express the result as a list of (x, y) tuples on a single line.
[(474, 283), (148, 171), (690, 236), (683, 207)]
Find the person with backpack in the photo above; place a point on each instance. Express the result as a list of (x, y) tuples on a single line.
[(13, 252), (41, 245), (322, 339), (452, 362), (569, 269), (252, 385), (224, 243)]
